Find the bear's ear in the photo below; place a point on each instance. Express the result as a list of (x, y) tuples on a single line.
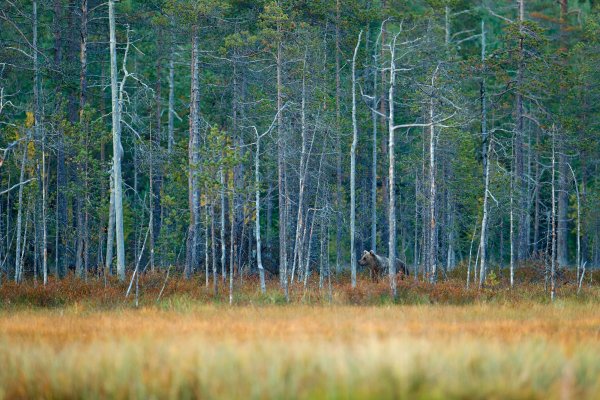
[(372, 252), (364, 252)]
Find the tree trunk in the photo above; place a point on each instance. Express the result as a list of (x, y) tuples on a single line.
[(261, 270), (298, 242), (353, 168), (156, 175), (193, 160), (562, 256), (554, 222), (432, 253), (281, 175), (213, 250), (171, 117), (391, 173), (338, 145), (18, 271), (41, 137), (485, 147), (222, 230), (522, 239), (513, 243), (117, 148)]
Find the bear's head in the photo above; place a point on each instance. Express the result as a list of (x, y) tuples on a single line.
[(368, 258)]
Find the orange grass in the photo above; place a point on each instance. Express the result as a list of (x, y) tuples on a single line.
[(96, 293), (299, 351), (72, 339)]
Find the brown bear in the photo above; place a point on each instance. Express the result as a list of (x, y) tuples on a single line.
[(379, 265)]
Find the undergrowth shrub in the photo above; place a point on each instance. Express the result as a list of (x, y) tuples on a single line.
[(177, 293)]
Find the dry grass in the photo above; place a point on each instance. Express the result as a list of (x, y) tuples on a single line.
[(496, 343)]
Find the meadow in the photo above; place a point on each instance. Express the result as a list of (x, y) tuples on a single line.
[(434, 342)]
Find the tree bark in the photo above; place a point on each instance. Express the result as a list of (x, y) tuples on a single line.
[(193, 160), (522, 239), (281, 173), (338, 145), (353, 168), (391, 172), (485, 147), (261, 270), (117, 148), (171, 117), (562, 255), (18, 264)]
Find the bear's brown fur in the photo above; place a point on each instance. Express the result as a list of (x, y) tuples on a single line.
[(379, 265)]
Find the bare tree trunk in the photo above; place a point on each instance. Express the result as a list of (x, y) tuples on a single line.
[(522, 238), (416, 223), (193, 146), (374, 157), (156, 175), (562, 255), (391, 172), (536, 218), (578, 221), (512, 222), (232, 242), (338, 145), (117, 148), (18, 264), (353, 168), (222, 230), (281, 175), (206, 270), (171, 117), (110, 235), (261, 270), (298, 242), (213, 249), (432, 197), (40, 136), (554, 222), (485, 150)]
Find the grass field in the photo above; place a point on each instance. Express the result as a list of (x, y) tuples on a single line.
[(492, 344)]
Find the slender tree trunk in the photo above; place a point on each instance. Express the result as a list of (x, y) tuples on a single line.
[(554, 222), (18, 272), (374, 123), (562, 255), (522, 238), (281, 175), (213, 250), (536, 218), (222, 230), (513, 178), (432, 197), (486, 146), (40, 136), (338, 141), (384, 229), (298, 242), (117, 148), (206, 250), (416, 223), (193, 146), (578, 254), (156, 175), (261, 270), (232, 242), (171, 117), (110, 235), (353, 168), (391, 173)]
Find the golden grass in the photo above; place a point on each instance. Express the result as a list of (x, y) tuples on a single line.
[(478, 351)]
